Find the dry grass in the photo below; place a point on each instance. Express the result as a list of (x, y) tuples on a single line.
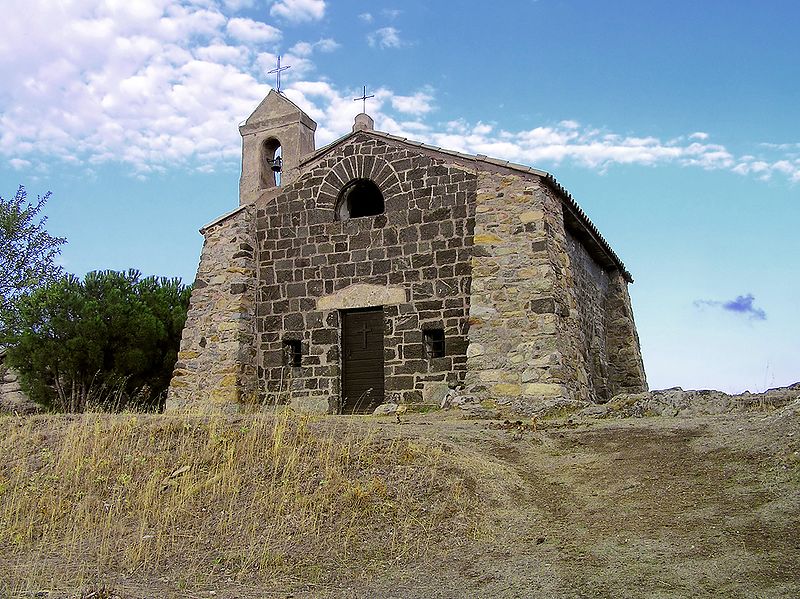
[(90, 499), (144, 506)]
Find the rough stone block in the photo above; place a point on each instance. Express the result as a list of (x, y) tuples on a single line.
[(505, 390), (547, 390), (310, 405), (542, 305)]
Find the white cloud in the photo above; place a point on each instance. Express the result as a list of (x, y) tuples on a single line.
[(147, 84), (19, 164), (316, 88), (236, 5), (764, 170), (180, 21), (306, 48), (327, 45), (366, 17), (548, 136), (419, 103), (298, 10), (222, 53), (163, 84), (385, 37), (302, 49), (593, 148), (248, 30), (415, 126)]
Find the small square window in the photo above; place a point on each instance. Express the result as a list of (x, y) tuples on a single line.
[(291, 352), (434, 343)]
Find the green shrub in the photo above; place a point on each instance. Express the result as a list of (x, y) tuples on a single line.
[(109, 341)]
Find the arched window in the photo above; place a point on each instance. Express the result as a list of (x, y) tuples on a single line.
[(271, 163), (360, 197)]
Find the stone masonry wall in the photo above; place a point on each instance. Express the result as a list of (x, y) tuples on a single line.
[(528, 314), (626, 368), (216, 363), (589, 287), (515, 354), (600, 346), (605, 355), (546, 321), (414, 260)]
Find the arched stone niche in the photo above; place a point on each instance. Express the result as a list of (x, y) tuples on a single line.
[(360, 197), (270, 153), (350, 170)]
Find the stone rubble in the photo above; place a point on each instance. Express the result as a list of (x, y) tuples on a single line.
[(12, 399), (679, 402)]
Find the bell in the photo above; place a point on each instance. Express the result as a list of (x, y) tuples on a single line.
[(276, 164)]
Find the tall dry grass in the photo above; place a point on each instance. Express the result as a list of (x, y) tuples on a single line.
[(264, 497)]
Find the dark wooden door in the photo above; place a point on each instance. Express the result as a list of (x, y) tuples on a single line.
[(362, 363)]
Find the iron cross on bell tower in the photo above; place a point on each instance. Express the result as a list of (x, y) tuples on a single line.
[(364, 97), (277, 70)]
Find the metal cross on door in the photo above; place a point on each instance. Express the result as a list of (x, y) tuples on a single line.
[(363, 330)]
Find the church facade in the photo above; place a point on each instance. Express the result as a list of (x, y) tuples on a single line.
[(381, 269)]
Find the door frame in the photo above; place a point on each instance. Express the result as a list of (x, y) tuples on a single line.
[(343, 349)]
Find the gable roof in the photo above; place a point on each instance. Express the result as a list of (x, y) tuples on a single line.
[(575, 218), (275, 109), (274, 105)]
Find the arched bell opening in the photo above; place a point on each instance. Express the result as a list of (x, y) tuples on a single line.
[(271, 163), (360, 197)]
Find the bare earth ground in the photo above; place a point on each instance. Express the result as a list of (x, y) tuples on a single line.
[(652, 507), (705, 506)]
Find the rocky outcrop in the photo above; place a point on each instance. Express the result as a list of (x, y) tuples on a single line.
[(679, 402), (12, 398)]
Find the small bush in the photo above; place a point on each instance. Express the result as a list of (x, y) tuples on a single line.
[(109, 341)]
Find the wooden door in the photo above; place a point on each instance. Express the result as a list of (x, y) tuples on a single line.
[(362, 362)]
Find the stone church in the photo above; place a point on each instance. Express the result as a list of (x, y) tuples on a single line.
[(382, 269)]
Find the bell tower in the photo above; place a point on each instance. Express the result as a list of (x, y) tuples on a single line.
[(275, 139)]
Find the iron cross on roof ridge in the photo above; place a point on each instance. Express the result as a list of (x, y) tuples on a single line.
[(364, 97), (277, 70)]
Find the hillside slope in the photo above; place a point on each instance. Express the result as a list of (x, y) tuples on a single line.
[(268, 506)]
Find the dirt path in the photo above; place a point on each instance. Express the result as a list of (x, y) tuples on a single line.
[(657, 507)]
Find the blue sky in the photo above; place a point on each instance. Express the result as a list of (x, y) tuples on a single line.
[(674, 124)]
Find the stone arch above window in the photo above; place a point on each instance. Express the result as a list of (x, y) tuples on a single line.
[(271, 163), (360, 197), (358, 168)]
